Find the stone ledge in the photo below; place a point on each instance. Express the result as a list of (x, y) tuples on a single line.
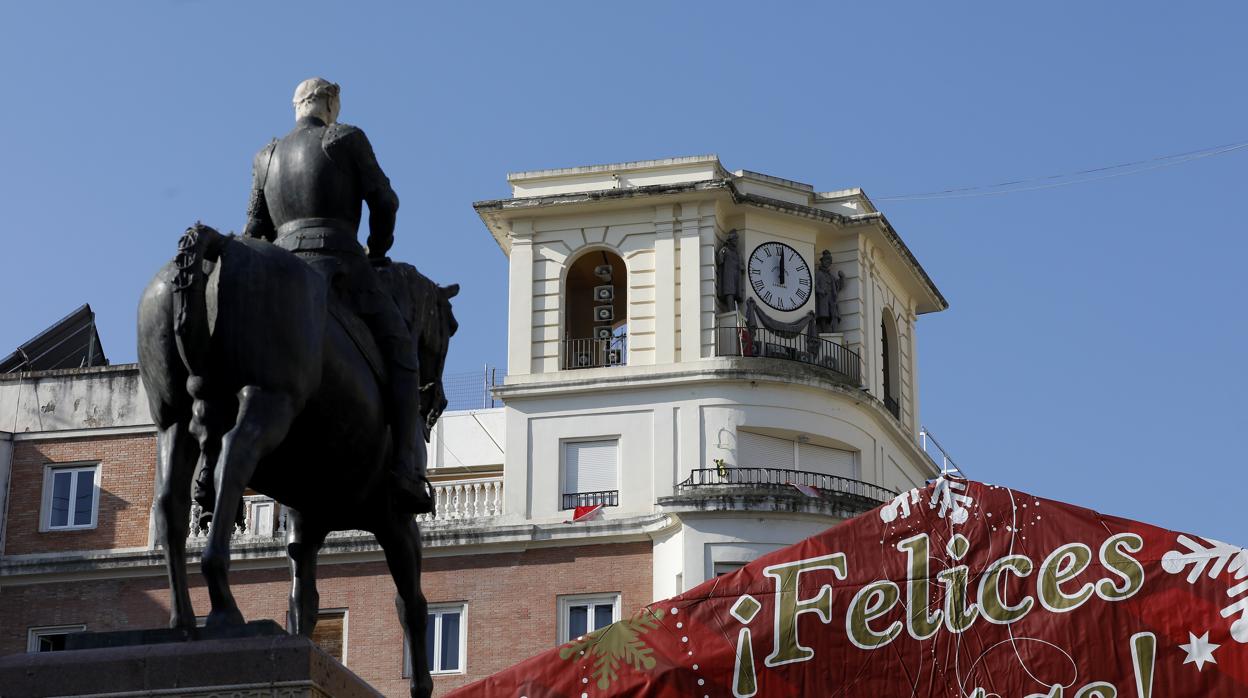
[(283, 665), (448, 538)]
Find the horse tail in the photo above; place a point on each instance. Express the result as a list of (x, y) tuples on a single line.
[(198, 244)]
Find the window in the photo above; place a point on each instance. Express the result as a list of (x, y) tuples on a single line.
[(446, 641), (762, 451), (582, 614), (330, 634), (759, 451), (260, 516), (70, 497), (828, 461), (590, 473), (888, 363), (50, 638), (722, 568)]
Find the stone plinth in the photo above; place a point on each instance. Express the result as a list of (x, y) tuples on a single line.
[(240, 667)]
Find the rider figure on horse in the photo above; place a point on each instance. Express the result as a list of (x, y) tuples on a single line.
[(306, 197)]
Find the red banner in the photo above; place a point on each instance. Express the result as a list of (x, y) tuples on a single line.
[(958, 589)]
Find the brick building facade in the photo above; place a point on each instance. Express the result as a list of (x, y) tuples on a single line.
[(109, 575)]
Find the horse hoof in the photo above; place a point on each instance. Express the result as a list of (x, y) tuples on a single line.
[(222, 618), (179, 623)]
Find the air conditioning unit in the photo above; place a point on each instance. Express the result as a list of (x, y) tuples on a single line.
[(614, 357), (583, 360)]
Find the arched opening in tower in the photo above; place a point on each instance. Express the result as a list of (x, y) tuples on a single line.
[(595, 321)]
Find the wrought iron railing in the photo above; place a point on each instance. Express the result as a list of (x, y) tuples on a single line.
[(779, 478), (607, 498), (594, 353), (736, 340), (893, 406)]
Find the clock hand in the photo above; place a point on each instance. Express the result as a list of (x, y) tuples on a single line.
[(781, 267)]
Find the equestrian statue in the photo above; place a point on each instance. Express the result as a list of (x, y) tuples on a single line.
[(298, 363)]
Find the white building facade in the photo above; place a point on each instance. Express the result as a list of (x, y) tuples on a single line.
[(632, 384)]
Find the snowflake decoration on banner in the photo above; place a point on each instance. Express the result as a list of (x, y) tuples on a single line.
[(947, 494), (1199, 650), (1225, 558), (619, 642)]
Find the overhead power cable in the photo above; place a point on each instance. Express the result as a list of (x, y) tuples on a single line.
[(1069, 178)]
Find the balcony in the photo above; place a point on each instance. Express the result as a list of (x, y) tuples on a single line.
[(893, 406), (466, 499), (265, 521), (594, 353), (606, 498), (830, 493), (737, 340)]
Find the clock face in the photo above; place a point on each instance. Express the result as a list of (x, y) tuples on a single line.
[(779, 275)]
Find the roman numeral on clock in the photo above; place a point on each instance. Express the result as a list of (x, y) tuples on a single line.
[(758, 285)]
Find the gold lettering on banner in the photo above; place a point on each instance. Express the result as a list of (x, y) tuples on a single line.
[(1062, 565), (1123, 565), (1143, 654), (919, 622), (788, 648), (1100, 689), (871, 602), (995, 609), (959, 614)]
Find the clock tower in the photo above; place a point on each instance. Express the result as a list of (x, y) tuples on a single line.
[(688, 345)]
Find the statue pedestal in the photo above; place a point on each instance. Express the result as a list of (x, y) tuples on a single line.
[(837, 338), (261, 664)]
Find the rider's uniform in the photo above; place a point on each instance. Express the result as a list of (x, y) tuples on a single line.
[(306, 196)]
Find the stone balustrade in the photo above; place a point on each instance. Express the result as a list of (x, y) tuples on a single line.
[(461, 500), (466, 499)]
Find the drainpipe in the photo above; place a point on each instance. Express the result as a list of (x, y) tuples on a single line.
[(6, 468)]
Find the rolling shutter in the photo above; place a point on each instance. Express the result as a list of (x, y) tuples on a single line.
[(828, 461), (590, 466), (758, 451)]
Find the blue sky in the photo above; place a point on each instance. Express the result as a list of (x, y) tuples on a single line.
[(1094, 347)]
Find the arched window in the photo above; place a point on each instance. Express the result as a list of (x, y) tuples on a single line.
[(888, 362), (595, 320)]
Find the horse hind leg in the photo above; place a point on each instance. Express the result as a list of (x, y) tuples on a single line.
[(264, 418), (175, 462), (400, 539), (303, 543), (212, 416)]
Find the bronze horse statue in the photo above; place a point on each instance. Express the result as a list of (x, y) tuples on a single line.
[(257, 373)]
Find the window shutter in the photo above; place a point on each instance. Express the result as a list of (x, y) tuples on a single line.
[(590, 466), (828, 461), (758, 451)]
